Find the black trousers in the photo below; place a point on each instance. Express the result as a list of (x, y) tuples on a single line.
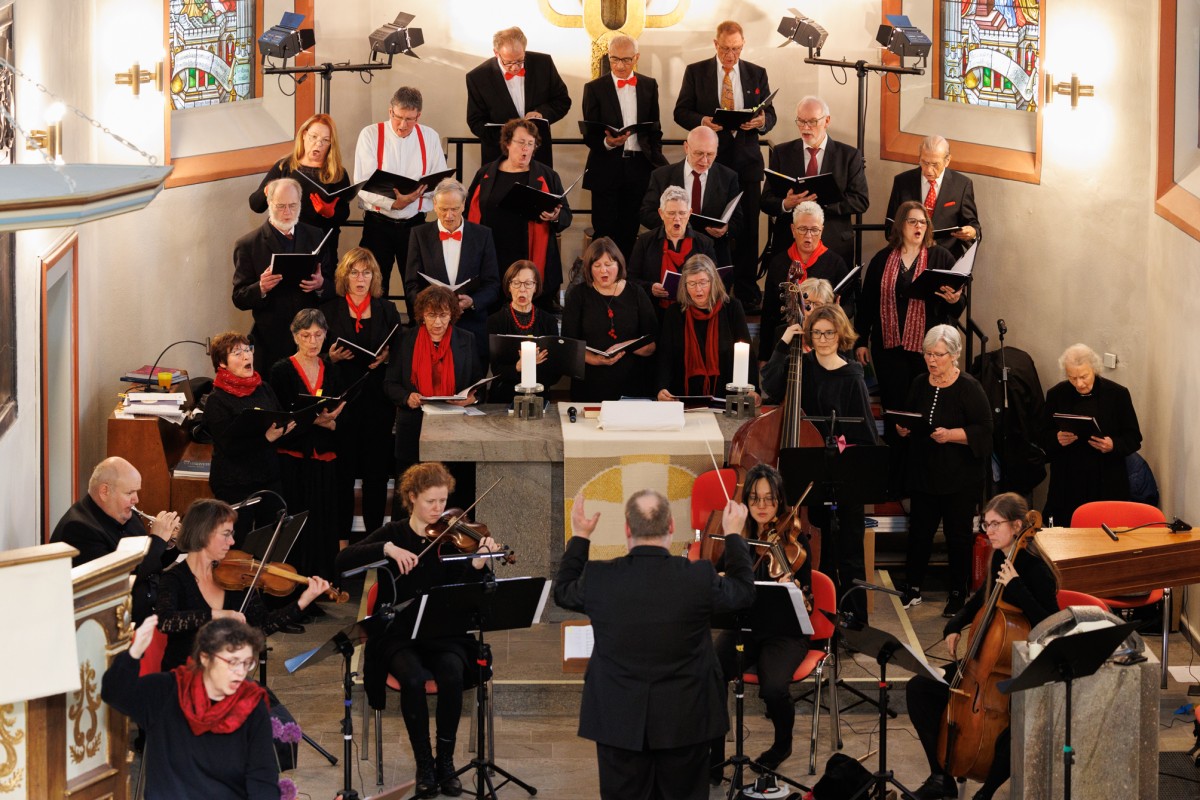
[(775, 659), (388, 242), (927, 700), (745, 245), (955, 512), (412, 667), (844, 557), (677, 773), (614, 213)]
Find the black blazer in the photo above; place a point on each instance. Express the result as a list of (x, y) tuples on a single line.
[(849, 172), (722, 187), (653, 681), (488, 100), (273, 314), (701, 94), (645, 261), (477, 260), (955, 205), (600, 104)]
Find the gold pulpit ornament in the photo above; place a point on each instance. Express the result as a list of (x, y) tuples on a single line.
[(604, 19)]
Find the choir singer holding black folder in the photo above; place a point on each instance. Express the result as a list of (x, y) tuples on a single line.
[(664, 249), (520, 318)]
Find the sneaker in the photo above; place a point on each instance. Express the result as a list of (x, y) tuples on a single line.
[(954, 604), (910, 596), (938, 787)]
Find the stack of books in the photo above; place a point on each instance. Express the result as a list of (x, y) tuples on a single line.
[(169, 406), (142, 373)]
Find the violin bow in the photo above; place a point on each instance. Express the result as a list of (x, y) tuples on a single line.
[(720, 480)]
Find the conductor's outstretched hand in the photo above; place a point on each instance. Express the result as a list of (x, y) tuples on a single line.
[(581, 524)]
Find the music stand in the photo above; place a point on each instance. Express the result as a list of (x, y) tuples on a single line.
[(492, 605), (258, 542), (1062, 661), (778, 610), (886, 648)]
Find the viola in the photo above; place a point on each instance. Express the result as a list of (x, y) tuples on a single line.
[(240, 569), (463, 535)]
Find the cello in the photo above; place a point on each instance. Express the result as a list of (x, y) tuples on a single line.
[(978, 712)]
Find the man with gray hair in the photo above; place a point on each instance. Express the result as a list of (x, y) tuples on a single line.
[(619, 166), (949, 196), (515, 84), (259, 289), (451, 251), (815, 153), (653, 697), (405, 147)]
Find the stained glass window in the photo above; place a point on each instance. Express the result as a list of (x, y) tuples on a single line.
[(990, 52), (212, 51)]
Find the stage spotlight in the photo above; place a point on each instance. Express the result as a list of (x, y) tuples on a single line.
[(903, 38), (286, 40), (803, 31), (396, 37)]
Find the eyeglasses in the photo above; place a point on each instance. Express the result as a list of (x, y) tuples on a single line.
[(400, 118), (244, 350), (804, 230), (311, 139), (698, 284), (761, 500), (923, 164), (361, 273), (286, 206), (244, 667), (313, 336), (515, 64), (525, 144), (916, 223), (938, 356), (823, 334), (436, 315), (730, 51), (523, 284), (810, 123), (701, 155), (677, 214), (621, 62), (991, 526)]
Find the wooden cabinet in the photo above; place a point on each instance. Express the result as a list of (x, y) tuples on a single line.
[(154, 447)]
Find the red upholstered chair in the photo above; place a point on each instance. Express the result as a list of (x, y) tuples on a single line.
[(820, 656), (1067, 598)]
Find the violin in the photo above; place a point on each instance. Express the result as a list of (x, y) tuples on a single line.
[(463, 535), (239, 569)]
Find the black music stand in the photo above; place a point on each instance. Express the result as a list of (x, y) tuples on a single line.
[(886, 648), (492, 605), (777, 611), (1062, 661), (263, 542)]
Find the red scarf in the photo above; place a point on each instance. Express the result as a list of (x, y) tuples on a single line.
[(238, 387), (697, 363), (224, 716), (674, 262), (913, 336), (433, 367), (358, 311), (798, 271), (539, 232), (313, 388)]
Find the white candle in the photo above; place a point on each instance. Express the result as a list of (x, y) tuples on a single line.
[(741, 364), (528, 363)]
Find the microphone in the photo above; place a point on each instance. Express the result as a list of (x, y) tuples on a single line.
[(1003, 328), (876, 588), (350, 573), (572, 414), (1109, 531)]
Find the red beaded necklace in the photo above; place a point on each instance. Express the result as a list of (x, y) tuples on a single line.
[(517, 322)]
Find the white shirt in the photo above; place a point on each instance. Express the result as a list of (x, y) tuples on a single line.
[(687, 183), (516, 88), (627, 97), (937, 192), (451, 252), (820, 161), (401, 156)]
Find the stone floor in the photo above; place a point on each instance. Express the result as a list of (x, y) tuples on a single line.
[(536, 708)]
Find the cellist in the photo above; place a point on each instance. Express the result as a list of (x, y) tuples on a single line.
[(1028, 584)]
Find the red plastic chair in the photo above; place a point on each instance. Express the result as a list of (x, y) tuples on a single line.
[(1120, 514), (819, 656), (1067, 598), (708, 496)]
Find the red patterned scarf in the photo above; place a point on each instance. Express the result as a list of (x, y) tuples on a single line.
[(224, 716), (238, 387), (433, 367), (913, 336), (798, 271), (698, 363)]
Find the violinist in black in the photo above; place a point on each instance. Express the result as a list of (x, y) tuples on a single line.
[(776, 657), (424, 489), (1029, 585)]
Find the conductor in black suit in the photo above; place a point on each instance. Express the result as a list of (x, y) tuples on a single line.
[(728, 82), (515, 84), (653, 695), (259, 289), (452, 250), (952, 201), (619, 167), (715, 185), (815, 153)]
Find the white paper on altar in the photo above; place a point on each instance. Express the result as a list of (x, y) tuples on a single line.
[(640, 415)]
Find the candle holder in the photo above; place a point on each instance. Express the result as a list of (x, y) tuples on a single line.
[(528, 404), (738, 402)]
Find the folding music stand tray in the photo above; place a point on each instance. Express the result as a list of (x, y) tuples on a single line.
[(1062, 661), (773, 614), (264, 544), (492, 605)]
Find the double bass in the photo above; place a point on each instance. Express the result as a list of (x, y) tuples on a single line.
[(978, 712)]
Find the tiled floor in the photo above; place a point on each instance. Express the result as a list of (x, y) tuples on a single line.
[(535, 736)]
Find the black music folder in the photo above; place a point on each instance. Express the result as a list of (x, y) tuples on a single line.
[(621, 347), (929, 282), (914, 422), (297, 267), (564, 356), (363, 353), (255, 421), (1081, 426), (347, 192), (823, 185), (638, 127), (734, 119), (383, 182), (530, 202), (699, 220)]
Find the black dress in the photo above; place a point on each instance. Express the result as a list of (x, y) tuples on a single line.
[(308, 213), (1079, 473), (586, 317), (364, 430), (829, 265), (308, 462), (509, 321), (731, 322), (241, 464)]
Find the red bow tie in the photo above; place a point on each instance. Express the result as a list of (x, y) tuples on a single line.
[(456, 236), (631, 82), (508, 76)]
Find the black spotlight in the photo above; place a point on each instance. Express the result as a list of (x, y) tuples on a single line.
[(286, 40)]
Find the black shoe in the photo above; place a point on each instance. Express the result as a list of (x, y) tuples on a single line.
[(773, 756), (450, 785), (427, 784), (910, 596), (291, 627), (716, 776), (954, 604), (938, 787)]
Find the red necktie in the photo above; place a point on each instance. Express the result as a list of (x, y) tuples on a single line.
[(696, 192), (931, 199), (456, 236), (631, 82), (508, 76), (811, 169)]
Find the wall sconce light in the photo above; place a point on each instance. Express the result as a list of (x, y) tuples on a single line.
[(1074, 89), (50, 139), (136, 76)]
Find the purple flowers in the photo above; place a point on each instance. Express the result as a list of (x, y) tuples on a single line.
[(286, 732), (287, 789)]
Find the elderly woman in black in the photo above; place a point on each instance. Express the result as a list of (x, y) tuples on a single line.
[(666, 248), (695, 355), (520, 317), (1083, 471), (605, 310), (947, 464)]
